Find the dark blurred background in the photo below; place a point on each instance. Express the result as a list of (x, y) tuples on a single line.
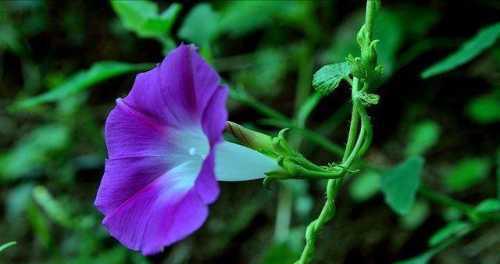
[(52, 152)]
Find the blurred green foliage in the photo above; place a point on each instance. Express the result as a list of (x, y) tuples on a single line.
[(63, 64), (143, 18), (467, 172), (100, 71), (424, 135), (400, 184), (469, 50)]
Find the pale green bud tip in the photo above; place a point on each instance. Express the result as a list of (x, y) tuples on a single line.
[(250, 138)]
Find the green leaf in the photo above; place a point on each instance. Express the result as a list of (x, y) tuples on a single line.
[(417, 215), (488, 206), (484, 39), (400, 184), (143, 17), (242, 17), (328, 77), (485, 109), (423, 136), (200, 25), (51, 206), (7, 245), (447, 232), (467, 173), (33, 151), (365, 186), (39, 224), (81, 81)]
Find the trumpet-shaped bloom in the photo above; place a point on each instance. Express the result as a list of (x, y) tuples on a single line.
[(166, 153)]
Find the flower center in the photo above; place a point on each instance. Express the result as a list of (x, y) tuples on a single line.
[(189, 148)]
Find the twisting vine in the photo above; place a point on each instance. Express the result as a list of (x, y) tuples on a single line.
[(364, 70), (360, 72)]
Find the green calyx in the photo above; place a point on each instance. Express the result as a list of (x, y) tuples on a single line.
[(293, 164)]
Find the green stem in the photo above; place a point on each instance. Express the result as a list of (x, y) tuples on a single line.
[(367, 126), (353, 131), (244, 98), (371, 8), (328, 211), (355, 151), (358, 139), (444, 200), (304, 77), (283, 214)]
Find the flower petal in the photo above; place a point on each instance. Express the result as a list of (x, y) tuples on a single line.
[(234, 162), (206, 184), (131, 133), (165, 211), (213, 122), (215, 115), (125, 177), (177, 91)]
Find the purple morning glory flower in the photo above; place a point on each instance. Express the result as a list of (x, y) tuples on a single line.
[(166, 153)]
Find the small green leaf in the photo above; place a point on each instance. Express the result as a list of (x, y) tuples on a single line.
[(485, 109), (51, 206), (142, 17), (484, 39), (488, 206), (423, 136), (400, 184), (7, 245), (328, 77), (447, 232), (200, 25), (467, 173), (365, 186), (83, 80)]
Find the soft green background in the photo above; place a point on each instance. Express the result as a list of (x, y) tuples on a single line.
[(63, 63)]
